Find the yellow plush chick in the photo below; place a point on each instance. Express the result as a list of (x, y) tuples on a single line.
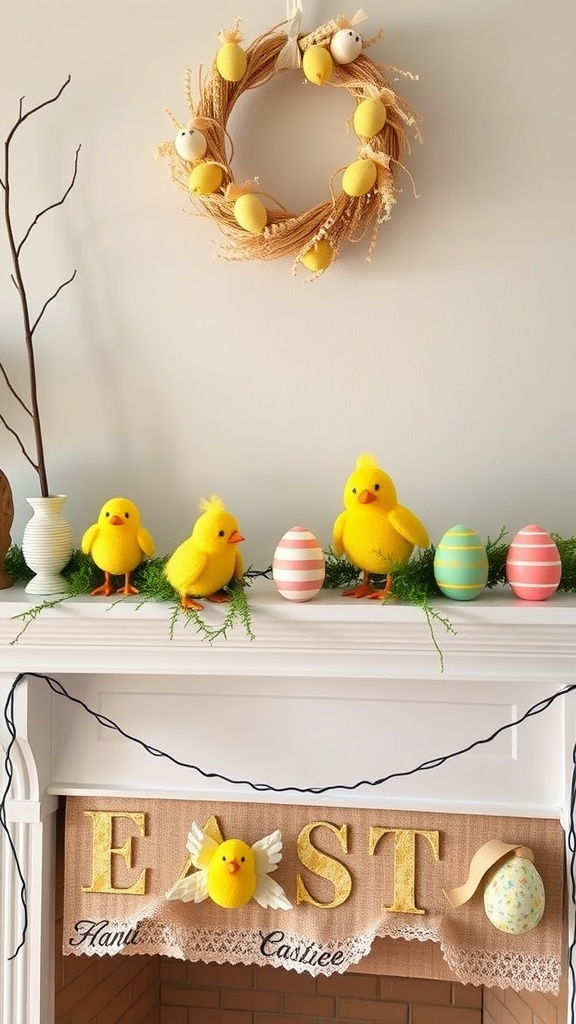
[(209, 559), (232, 873), (117, 544), (375, 532)]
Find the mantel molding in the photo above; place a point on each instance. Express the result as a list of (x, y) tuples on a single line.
[(330, 634)]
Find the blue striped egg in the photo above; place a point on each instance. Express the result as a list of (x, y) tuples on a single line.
[(461, 564)]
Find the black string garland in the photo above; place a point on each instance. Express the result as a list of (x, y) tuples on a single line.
[(264, 787)]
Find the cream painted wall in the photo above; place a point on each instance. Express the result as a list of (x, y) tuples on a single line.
[(167, 374)]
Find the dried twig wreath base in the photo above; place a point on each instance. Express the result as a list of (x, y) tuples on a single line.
[(200, 157)]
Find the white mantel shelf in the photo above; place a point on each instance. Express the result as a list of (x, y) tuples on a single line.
[(330, 634)]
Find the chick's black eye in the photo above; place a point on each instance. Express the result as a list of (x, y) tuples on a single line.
[(353, 490), (126, 515), (220, 533), (223, 857), (242, 859), (376, 487), (107, 515)]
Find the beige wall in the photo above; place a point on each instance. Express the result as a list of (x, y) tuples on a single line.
[(166, 373)]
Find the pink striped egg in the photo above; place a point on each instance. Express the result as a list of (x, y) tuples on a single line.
[(298, 567), (533, 566)]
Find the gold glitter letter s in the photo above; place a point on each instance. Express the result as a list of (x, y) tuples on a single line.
[(323, 865)]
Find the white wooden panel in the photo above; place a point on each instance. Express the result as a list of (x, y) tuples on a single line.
[(306, 733)]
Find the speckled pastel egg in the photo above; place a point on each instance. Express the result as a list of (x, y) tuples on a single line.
[(298, 567), (191, 144), (317, 64), (461, 564), (359, 177), (345, 45), (533, 566), (250, 213), (514, 896), (205, 178), (231, 62), (319, 256), (369, 118)]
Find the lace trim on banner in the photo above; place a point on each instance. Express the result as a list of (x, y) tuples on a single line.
[(297, 953)]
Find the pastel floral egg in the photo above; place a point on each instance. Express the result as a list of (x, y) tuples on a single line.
[(317, 64), (514, 897), (533, 566), (298, 567), (191, 144), (461, 564), (345, 45)]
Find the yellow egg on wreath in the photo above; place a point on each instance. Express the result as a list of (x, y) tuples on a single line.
[(319, 256), (369, 118), (359, 177), (249, 210), (205, 178), (317, 64), (231, 60)]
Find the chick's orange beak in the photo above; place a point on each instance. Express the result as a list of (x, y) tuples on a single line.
[(235, 537), (233, 866), (115, 521), (365, 497)]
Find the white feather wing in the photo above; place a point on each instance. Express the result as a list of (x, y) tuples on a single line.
[(267, 856), (270, 894), (268, 853), (192, 889), (201, 846)]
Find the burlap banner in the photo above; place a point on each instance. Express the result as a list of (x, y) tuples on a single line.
[(339, 880)]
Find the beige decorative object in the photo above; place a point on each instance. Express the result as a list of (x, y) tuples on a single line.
[(346, 214), (6, 519)]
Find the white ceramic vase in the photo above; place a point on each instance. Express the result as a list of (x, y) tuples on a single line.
[(47, 545)]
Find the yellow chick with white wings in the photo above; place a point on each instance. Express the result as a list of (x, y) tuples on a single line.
[(232, 873)]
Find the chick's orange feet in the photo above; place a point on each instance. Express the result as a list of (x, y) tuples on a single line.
[(107, 587), (128, 589), (365, 589)]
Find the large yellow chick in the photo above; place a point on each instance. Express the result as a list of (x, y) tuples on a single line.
[(232, 873), (209, 559), (117, 544), (375, 532)]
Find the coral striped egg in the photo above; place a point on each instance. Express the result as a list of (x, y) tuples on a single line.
[(461, 564), (298, 567), (533, 566)]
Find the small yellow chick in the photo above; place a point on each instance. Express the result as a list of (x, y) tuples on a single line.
[(209, 559), (375, 532), (232, 873), (117, 544)]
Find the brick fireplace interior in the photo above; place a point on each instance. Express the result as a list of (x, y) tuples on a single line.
[(161, 990)]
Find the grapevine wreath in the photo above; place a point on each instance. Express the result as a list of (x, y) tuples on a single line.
[(200, 157)]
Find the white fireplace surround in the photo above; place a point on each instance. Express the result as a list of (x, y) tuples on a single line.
[(328, 693)]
